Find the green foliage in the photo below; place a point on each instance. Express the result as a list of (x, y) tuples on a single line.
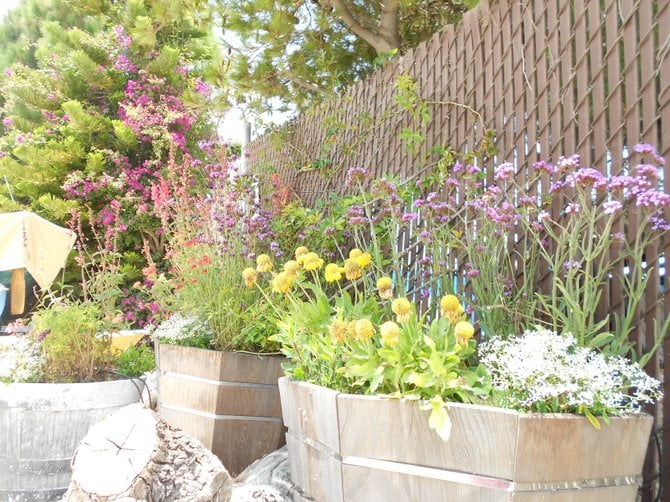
[(135, 361), (72, 350), (295, 53)]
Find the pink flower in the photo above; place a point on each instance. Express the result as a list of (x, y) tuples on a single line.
[(612, 207)]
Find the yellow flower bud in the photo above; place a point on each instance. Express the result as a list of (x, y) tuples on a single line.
[(300, 252), (311, 261), (355, 253), (332, 273), (364, 259), (402, 308), (352, 270), (338, 330), (385, 287), (463, 331), (451, 308), (282, 282), (263, 263), (390, 333), (292, 267), (364, 330), (250, 277)]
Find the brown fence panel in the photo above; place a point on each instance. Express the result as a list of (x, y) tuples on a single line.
[(550, 77)]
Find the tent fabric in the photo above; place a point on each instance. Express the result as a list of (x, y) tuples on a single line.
[(31, 242)]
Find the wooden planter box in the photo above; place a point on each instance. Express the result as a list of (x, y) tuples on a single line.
[(227, 400), (41, 425), (345, 447)]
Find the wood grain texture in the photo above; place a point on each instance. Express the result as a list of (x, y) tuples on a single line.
[(228, 401), (383, 449), (482, 439)]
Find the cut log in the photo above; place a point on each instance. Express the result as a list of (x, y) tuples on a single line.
[(135, 455)]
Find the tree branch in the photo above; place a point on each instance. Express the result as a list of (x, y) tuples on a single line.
[(301, 82), (382, 39)]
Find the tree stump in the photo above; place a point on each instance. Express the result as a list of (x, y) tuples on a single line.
[(135, 455)]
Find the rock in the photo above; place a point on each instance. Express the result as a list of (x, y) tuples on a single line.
[(267, 480), (135, 455)]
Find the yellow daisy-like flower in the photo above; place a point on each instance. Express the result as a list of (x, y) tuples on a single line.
[(385, 287), (463, 331), (451, 308), (364, 259), (355, 253), (300, 252), (363, 329), (338, 330), (311, 261), (250, 277), (402, 308), (263, 263), (332, 273), (282, 282), (352, 270), (292, 267), (390, 333)]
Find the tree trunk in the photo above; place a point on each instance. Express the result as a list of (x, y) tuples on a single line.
[(135, 455)]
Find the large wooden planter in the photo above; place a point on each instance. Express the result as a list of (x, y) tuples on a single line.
[(41, 425), (227, 400), (345, 447)]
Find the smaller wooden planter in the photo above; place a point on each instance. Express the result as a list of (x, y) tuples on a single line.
[(227, 400), (345, 447)]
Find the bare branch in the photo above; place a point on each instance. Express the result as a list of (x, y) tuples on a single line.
[(380, 38)]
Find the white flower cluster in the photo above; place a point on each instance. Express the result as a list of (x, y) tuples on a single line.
[(544, 371), (21, 359), (179, 327)]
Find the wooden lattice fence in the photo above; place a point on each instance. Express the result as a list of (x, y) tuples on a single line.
[(550, 77)]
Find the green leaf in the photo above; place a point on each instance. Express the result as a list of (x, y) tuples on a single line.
[(592, 419), (439, 419)]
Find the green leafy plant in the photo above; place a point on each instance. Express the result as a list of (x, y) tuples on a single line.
[(342, 329), (135, 361), (71, 349)]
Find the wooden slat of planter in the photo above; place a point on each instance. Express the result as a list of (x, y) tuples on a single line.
[(316, 469), (193, 361), (311, 411), (220, 398), (570, 441), (488, 452)]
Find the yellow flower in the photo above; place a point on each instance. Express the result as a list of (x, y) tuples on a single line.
[(463, 331), (364, 259), (250, 276), (351, 329), (263, 263), (311, 261), (338, 330), (450, 307), (385, 287), (364, 330), (390, 332), (282, 282), (352, 270), (402, 309), (333, 273), (355, 253), (300, 252), (292, 267)]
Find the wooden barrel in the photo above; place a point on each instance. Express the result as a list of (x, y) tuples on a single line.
[(352, 448), (227, 400), (41, 425)]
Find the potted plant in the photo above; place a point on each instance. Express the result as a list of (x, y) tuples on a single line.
[(502, 444), (218, 370), (55, 382)]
